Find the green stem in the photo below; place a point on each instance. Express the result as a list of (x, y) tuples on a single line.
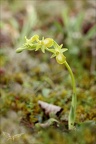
[(72, 113)]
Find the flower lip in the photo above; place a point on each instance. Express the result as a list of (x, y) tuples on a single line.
[(48, 42), (60, 58)]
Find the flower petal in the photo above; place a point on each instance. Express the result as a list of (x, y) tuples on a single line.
[(53, 55), (63, 50)]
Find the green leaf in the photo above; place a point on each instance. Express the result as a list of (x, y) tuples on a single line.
[(58, 26), (65, 17), (79, 21), (91, 33)]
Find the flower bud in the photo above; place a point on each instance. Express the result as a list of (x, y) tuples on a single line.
[(19, 50), (60, 58), (48, 42)]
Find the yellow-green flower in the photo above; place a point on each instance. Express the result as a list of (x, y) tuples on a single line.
[(60, 58), (35, 38), (48, 42)]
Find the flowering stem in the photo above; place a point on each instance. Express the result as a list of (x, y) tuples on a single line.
[(72, 113), (57, 51)]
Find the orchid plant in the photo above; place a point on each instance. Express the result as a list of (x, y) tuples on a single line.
[(48, 44)]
